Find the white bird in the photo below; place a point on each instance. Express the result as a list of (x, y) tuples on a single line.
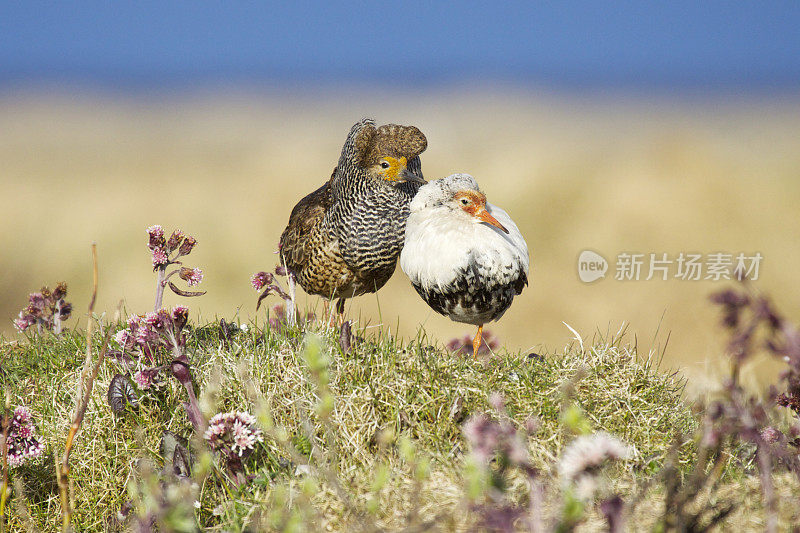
[(464, 256)]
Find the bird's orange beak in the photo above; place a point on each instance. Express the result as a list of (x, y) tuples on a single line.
[(484, 216)]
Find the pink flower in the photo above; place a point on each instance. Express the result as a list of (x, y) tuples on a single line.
[(233, 433), (192, 276), (159, 257), (155, 231), (24, 321), (151, 319), (146, 335), (261, 280), (142, 380), (156, 238), (497, 401), (180, 315), (122, 337), (488, 437), (23, 443), (22, 415), (771, 435)]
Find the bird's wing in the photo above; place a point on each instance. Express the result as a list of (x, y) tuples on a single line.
[(303, 230), (514, 238)]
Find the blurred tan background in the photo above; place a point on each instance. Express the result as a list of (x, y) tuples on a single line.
[(613, 175)]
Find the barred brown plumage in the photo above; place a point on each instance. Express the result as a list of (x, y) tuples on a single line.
[(344, 239)]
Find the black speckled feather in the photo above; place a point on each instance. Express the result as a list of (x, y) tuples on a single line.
[(344, 239), (473, 298)]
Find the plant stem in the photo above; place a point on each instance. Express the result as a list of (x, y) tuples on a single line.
[(290, 303), (85, 385), (4, 490), (160, 282), (57, 318)]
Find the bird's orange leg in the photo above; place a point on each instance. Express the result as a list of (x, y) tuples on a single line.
[(476, 343)]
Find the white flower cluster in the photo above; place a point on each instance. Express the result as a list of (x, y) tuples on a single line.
[(582, 460), (234, 431)]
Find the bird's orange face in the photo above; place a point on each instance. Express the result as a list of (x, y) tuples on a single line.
[(391, 168), (474, 204)]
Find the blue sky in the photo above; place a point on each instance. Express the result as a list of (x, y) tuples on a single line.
[(665, 45)]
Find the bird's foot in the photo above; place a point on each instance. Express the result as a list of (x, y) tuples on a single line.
[(476, 343)]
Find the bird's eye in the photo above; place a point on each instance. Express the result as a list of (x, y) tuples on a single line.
[(385, 164), (464, 201)]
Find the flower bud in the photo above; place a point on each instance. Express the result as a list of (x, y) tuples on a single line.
[(187, 245), (174, 240)]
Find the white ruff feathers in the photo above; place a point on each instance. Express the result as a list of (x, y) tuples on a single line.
[(442, 241)]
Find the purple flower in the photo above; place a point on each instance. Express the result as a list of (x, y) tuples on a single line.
[(47, 309), (23, 443), (22, 415), (146, 378), (261, 280), (24, 321), (463, 345), (180, 315), (36, 303), (146, 335), (151, 319), (192, 276), (60, 291), (488, 437), (64, 310)]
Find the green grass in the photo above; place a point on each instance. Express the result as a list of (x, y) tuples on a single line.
[(390, 416)]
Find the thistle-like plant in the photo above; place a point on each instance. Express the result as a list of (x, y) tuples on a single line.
[(47, 310), (233, 435), (166, 252), (22, 440), (495, 439), (157, 341), (269, 282)]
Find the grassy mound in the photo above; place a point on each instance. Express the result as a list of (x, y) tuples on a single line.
[(379, 391)]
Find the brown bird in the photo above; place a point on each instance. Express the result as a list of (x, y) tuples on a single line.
[(344, 239)]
